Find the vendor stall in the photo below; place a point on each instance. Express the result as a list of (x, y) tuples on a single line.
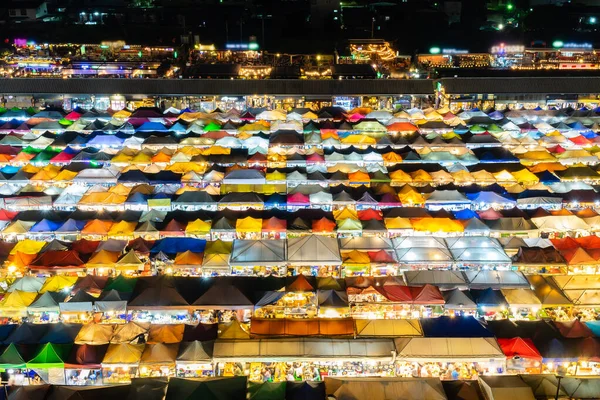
[(195, 359), (121, 362), (158, 360), (449, 358), (279, 359), (83, 366)]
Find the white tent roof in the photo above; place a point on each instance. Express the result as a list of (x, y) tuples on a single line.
[(313, 250), (454, 349)]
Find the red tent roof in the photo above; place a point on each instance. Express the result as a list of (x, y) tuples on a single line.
[(567, 243), (369, 213), (7, 215), (573, 329), (589, 242), (396, 293), (300, 284), (298, 198), (381, 256), (56, 259), (519, 347), (427, 294), (84, 246)]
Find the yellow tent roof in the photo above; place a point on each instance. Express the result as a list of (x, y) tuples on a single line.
[(102, 198), (392, 157), (248, 224), (57, 283), (310, 115), (356, 257), (95, 334), (344, 213), (525, 176), (18, 227), (183, 167), (188, 258), (484, 176), (198, 227), (120, 189), (233, 330), (504, 176), (275, 176), (18, 300), (421, 176), (123, 353), (437, 225), (463, 176), (398, 223), (28, 246), (65, 175), (141, 158), (255, 126), (122, 114), (121, 157), (122, 228), (400, 176), (408, 195), (103, 258), (359, 139)]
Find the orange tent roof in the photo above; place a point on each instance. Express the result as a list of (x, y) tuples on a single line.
[(97, 227), (274, 225), (359, 176), (323, 225), (189, 258), (401, 127), (103, 258)]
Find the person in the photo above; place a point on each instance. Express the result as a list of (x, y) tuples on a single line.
[(455, 374), (266, 375), (237, 371)]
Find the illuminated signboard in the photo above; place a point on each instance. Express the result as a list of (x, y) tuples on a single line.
[(242, 46), (504, 49), (454, 51)]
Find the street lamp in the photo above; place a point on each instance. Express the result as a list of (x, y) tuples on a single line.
[(510, 6), (593, 20)]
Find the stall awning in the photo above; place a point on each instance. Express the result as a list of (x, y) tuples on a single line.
[(454, 349), (388, 327), (303, 349)]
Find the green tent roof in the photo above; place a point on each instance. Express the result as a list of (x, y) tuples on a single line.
[(66, 122), (477, 129), (121, 284), (11, 358), (212, 126), (50, 356), (266, 391), (45, 155)]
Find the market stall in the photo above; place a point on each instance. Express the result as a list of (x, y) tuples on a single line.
[(195, 359), (120, 363)]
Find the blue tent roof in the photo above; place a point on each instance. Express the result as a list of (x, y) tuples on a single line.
[(488, 198), (588, 134), (137, 198), (105, 140), (465, 214), (179, 245), (461, 129), (275, 199), (454, 327), (547, 177), (488, 298), (594, 327), (45, 225), (577, 126), (71, 225), (151, 127), (496, 115), (10, 169), (178, 127)]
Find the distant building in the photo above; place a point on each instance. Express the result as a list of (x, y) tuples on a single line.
[(28, 10)]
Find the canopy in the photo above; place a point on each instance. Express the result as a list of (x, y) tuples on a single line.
[(270, 350), (385, 388), (233, 388), (123, 354), (451, 349)]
